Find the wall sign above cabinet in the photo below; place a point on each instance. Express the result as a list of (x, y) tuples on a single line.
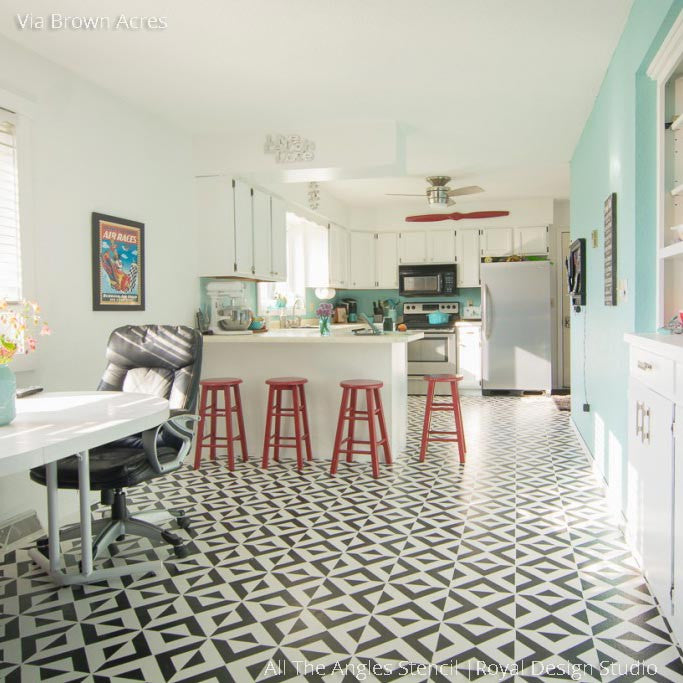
[(289, 148)]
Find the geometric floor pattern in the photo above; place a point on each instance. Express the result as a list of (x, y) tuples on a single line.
[(508, 568)]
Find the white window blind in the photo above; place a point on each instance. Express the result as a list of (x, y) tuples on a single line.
[(10, 248)]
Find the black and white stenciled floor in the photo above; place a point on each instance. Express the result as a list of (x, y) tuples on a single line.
[(507, 568)]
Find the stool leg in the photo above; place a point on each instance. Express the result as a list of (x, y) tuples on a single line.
[(352, 425), (383, 427), (304, 415), (371, 428), (200, 430), (297, 428), (457, 415), (278, 423), (228, 429), (213, 444), (340, 431), (427, 420), (240, 422), (269, 422)]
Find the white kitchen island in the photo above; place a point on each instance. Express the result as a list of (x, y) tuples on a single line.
[(324, 361)]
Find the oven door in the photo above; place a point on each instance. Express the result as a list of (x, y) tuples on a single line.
[(434, 353)]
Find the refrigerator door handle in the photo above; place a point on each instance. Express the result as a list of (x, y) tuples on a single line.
[(487, 311)]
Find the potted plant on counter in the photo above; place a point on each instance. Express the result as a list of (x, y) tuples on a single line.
[(324, 313), (18, 324)]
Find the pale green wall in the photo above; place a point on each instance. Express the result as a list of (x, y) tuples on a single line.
[(616, 153)]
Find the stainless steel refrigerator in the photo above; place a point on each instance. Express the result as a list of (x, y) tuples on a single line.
[(516, 326)]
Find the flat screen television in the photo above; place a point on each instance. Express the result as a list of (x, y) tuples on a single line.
[(576, 273)]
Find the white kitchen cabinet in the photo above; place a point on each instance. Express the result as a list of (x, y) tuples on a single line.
[(362, 260), (650, 486), (386, 260), (261, 231), (468, 258), (469, 355), (278, 236), (338, 245), (497, 242), (215, 210), (412, 247), (441, 246), (677, 597), (244, 236), (530, 241)]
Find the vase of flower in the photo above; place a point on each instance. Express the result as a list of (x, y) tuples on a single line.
[(16, 322), (8, 395), (324, 313)]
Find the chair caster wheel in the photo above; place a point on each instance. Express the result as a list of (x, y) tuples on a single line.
[(42, 543), (181, 551), (183, 522), (120, 538), (113, 549)]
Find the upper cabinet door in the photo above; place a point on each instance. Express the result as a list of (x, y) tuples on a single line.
[(362, 260), (386, 260), (338, 256), (468, 258), (244, 231), (278, 234), (531, 241), (413, 247), (263, 265), (441, 246), (215, 226), (496, 242)]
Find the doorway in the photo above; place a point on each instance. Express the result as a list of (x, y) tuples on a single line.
[(565, 337)]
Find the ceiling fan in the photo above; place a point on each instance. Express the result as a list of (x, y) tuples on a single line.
[(439, 195)]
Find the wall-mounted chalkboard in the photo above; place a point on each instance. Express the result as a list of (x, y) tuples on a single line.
[(610, 217)]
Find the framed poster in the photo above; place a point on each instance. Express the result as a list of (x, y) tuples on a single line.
[(118, 264), (610, 217)]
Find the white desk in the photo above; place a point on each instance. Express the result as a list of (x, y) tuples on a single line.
[(52, 426)]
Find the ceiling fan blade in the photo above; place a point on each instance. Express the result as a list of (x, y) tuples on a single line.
[(400, 194), (455, 216), (470, 189)]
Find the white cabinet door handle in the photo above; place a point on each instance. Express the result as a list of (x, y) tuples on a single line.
[(639, 425), (642, 365)]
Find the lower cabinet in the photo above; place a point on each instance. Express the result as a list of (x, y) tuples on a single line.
[(469, 356), (650, 486)]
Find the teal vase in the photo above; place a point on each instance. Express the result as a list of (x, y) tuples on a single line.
[(324, 326), (8, 395)]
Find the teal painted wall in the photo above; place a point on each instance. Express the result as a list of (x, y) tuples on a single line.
[(365, 297), (616, 153)]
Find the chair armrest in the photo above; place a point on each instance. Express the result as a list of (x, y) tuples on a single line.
[(181, 426)]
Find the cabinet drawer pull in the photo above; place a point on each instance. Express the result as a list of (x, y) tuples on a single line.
[(642, 365), (639, 423)]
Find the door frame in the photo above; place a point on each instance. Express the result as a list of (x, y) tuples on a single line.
[(561, 286)]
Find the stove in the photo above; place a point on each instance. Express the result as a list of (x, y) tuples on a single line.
[(437, 351)]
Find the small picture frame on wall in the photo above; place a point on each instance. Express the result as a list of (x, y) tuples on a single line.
[(610, 218), (118, 264)]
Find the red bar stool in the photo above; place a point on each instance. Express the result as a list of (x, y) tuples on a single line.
[(298, 411), (349, 414), (209, 408), (432, 407)]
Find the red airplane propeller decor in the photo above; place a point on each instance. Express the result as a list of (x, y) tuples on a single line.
[(455, 216)]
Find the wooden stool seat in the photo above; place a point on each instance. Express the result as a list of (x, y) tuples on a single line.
[(298, 411), (349, 415), (210, 409), (456, 436)]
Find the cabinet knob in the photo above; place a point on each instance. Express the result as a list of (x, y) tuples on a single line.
[(642, 365)]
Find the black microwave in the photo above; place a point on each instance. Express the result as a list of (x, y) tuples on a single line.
[(427, 280)]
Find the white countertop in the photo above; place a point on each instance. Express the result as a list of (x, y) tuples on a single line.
[(306, 336), (669, 345)]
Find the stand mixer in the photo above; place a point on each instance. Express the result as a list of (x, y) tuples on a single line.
[(233, 317)]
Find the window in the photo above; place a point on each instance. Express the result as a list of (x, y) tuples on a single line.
[(300, 263), (10, 250)]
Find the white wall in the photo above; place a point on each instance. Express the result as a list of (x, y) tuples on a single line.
[(92, 152)]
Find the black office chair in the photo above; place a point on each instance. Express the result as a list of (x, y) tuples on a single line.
[(164, 361)]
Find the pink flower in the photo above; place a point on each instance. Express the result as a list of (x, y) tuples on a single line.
[(45, 329), (31, 342)]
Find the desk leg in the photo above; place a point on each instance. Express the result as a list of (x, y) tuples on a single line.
[(53, 518), (86, 525)]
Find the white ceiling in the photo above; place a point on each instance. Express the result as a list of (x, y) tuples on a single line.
[(490, 91)]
